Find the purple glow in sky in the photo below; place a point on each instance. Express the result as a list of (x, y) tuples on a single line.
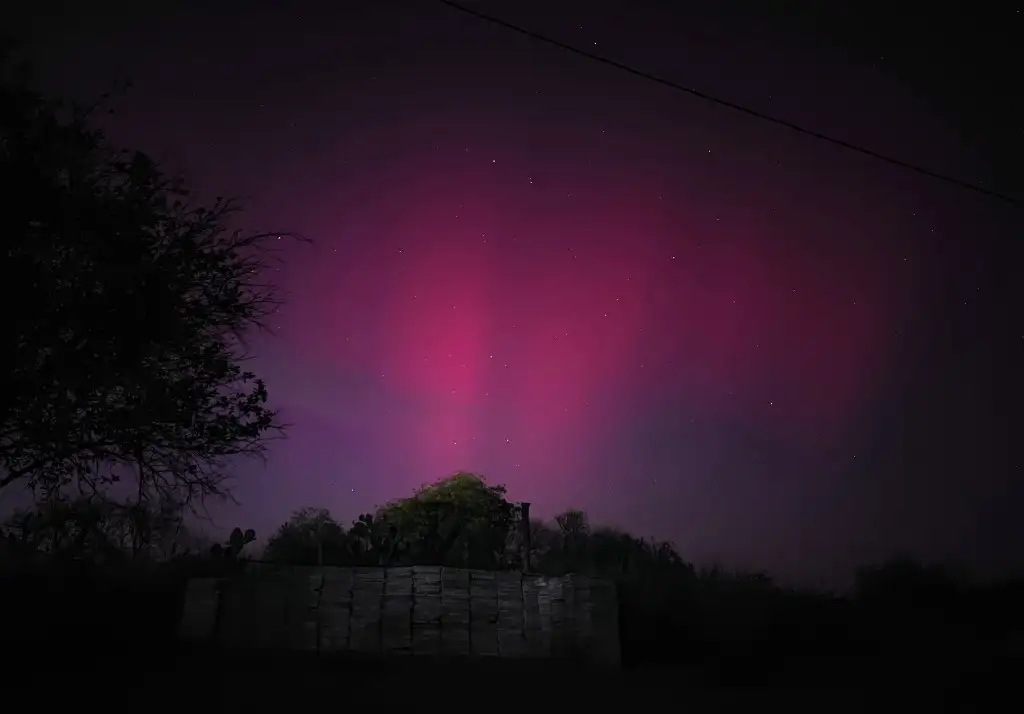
[(597, 291)]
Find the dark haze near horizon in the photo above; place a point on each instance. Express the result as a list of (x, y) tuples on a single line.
[(598, 291)]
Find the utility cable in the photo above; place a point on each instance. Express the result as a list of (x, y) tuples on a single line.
[(730, 105)]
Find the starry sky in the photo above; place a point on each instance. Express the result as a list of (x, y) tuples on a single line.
[(597, 290)]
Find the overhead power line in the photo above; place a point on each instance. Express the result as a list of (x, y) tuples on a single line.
[(731, 105)]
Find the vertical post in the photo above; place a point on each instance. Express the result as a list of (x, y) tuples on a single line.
[(524, 535), (319, 544)]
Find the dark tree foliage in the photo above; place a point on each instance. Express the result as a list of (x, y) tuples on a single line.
[(463, 521), (459, 521), (310, 537), (130, 301)]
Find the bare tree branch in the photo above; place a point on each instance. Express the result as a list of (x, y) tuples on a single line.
[(136, 303)]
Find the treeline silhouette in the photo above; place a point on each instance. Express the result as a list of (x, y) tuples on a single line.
[(120, 576)]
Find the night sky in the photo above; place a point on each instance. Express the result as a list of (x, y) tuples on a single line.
[(597, 290)]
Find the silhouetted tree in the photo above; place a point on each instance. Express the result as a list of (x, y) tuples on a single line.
[(100, 530), (460, 520), (904, 582), (132, 303), (310, 537), (544, 540), (573, 524)]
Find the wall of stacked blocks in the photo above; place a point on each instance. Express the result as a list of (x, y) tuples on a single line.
[(419, 610)]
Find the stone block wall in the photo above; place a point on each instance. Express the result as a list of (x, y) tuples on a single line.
[(416, 610)]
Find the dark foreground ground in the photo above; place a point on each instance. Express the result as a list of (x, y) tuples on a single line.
[(191, 680), (89, 642)]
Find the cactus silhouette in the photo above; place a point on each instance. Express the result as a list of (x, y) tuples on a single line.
[(236, 542)]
